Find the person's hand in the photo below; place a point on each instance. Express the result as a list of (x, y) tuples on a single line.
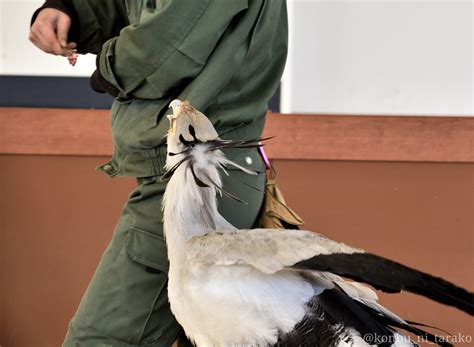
[(49, 32)]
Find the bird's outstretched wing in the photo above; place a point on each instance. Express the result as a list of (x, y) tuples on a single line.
[(268, 250), (272, 250)]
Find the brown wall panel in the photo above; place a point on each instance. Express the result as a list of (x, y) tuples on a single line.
[(57, 215), (308, 137)]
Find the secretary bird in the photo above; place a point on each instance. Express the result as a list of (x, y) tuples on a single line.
[(264, 287)]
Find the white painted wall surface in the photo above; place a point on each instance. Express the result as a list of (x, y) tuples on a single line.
[(18, 56), (346, 56), (380, 57)]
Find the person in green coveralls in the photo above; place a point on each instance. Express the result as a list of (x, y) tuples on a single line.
[(226, 58)]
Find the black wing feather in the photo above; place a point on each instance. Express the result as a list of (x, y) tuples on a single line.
[(391, 277), (408, 326), (330, 315)]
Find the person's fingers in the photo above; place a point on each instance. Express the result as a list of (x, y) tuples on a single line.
[(36, 31), (43, 35), (49, 32), (71, 45), (39, 41), (49, 40), (52, 45), (34, 39), (62, 28)]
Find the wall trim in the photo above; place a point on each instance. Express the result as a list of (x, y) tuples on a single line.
[(379, 138), (43, 131), (50, 92), (63, 92)]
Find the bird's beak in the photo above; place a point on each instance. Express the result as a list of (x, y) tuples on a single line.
[(175, 105)]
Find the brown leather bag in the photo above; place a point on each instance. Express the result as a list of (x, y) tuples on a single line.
[(275, 212)]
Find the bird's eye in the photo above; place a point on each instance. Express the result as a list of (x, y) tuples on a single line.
[(184, 141), (193, 132), (187, 143)]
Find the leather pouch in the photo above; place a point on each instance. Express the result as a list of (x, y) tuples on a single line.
[(276, 214)]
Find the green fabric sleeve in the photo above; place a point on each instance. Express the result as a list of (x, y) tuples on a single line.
[(97, 22), (169, 46)]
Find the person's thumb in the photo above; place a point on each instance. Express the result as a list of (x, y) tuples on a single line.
[(64, 23)]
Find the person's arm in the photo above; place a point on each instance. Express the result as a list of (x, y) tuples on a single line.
[(81, 24), (171, 45)]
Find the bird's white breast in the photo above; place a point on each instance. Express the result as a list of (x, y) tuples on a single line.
[(236, 305)]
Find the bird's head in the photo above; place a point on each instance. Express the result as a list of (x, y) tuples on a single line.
[(188, 128), (194, 146)]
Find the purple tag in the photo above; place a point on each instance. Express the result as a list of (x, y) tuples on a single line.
[(264, 156)]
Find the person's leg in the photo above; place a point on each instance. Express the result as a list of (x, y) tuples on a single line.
[(127, 303)]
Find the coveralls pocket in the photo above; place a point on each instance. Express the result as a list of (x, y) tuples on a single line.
[(148, 251), (126, 302)]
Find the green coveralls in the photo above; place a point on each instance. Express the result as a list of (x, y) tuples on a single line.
[(226, 58)]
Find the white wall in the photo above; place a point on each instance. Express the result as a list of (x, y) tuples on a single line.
[(346, 56), (380, 57), (19, 57)]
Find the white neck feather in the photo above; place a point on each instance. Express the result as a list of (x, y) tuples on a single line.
[(188, 209)]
